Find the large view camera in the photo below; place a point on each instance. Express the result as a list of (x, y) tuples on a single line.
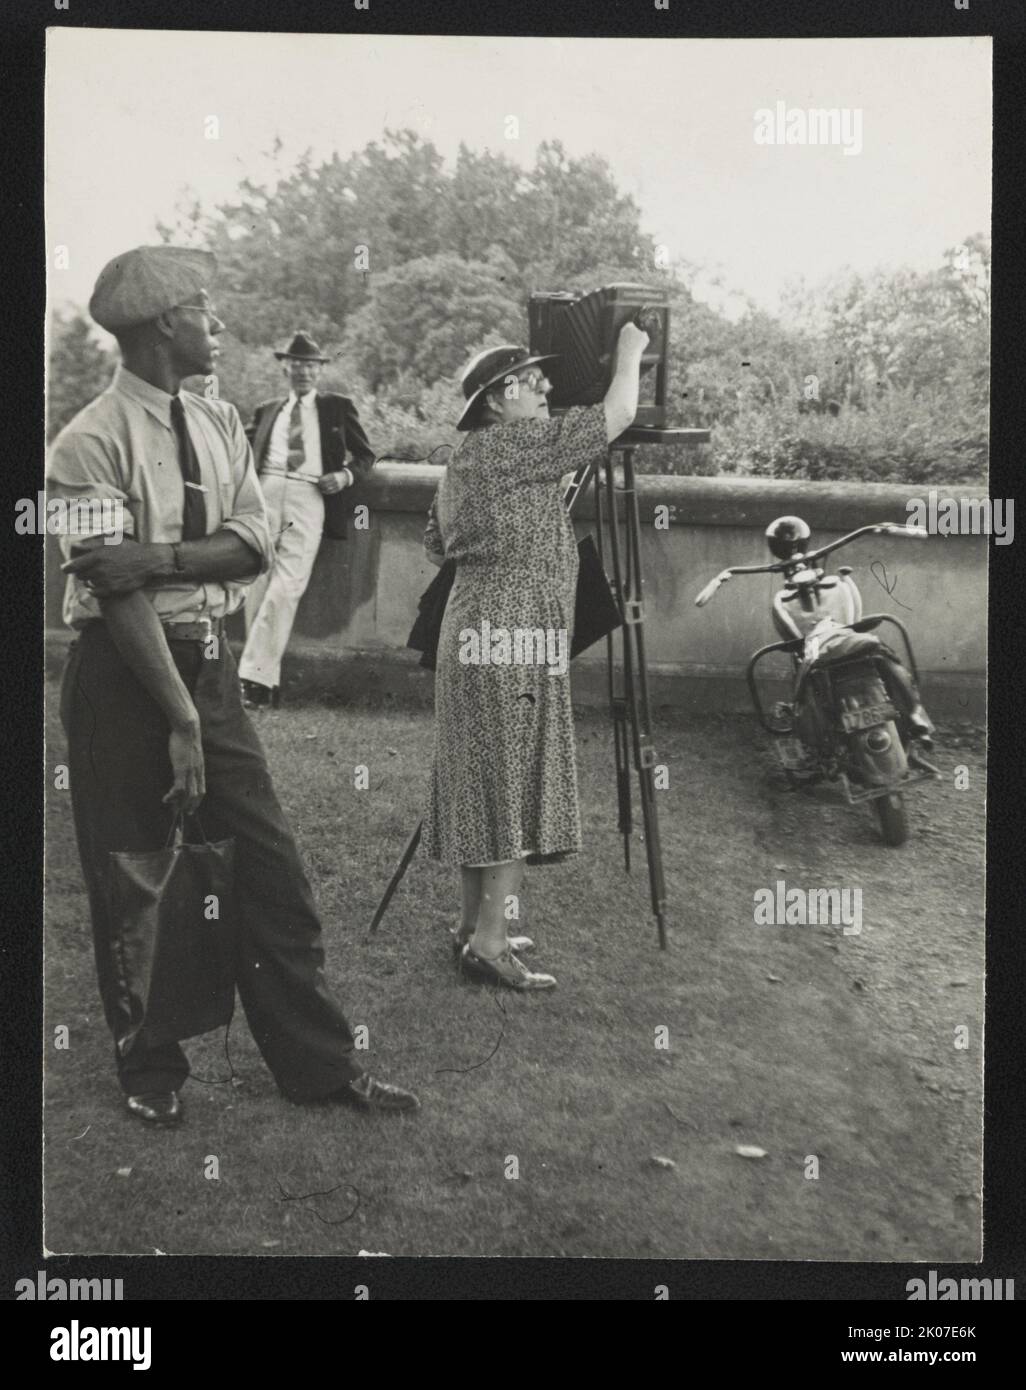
[(583, 328)]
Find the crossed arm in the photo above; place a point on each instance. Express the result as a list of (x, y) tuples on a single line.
[(117, 576)]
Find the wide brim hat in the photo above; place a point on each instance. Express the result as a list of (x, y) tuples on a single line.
[(303, 347), (489, 367)]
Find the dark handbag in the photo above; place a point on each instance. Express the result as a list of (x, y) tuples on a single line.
[(173, 941), (596, 613), (595, 610)]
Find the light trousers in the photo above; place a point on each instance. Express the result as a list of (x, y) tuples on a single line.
[(295, 512)]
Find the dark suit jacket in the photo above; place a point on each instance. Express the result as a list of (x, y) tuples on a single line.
[(340, 431)]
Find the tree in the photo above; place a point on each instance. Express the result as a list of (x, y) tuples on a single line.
[(483, 204), (307, 249), (898, 328), (304, 250), (80, 368), (572, 218), (423, 319)]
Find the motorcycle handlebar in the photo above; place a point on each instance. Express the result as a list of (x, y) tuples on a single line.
[(892, 528), (707, 593)]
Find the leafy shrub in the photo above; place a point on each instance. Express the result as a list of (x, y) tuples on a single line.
[(925, 437)]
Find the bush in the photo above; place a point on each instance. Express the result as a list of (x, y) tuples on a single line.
[(80, 368), (928, 437)]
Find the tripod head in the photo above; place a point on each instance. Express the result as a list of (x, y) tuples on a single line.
[(650, 434)]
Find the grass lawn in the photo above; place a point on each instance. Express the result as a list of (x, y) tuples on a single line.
[(798, 1040)]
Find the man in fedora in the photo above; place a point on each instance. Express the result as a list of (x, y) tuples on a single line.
[(150, 700), (299, 443)]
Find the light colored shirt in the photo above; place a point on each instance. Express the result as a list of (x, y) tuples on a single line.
[(121, 449), (278, 445)]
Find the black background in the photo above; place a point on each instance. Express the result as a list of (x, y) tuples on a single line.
[(790, 1333)]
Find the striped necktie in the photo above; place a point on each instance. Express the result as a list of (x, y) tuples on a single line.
[(297, 454), (194, 514)]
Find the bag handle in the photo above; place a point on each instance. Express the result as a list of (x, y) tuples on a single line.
[(176, 834)]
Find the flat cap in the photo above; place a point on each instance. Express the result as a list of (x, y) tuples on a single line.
[(138, 285)]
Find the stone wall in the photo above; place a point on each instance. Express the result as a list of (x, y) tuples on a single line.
[(353, 622)]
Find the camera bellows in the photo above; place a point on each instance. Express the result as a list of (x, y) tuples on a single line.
[(583, 328)]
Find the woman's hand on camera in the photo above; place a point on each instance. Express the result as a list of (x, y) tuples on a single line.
[(632, 339), (621, 400)]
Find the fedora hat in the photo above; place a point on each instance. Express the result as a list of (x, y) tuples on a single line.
[(490, 366), (303, 346)]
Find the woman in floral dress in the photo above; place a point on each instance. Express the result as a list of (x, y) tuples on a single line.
[(504, 783)]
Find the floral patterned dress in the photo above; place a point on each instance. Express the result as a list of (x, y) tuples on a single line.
[(504, 777)]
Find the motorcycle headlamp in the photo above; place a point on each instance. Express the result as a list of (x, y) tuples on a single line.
[(787, 537)]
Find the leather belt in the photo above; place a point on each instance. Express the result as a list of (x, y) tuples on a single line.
[(199, 631), (292, 475)]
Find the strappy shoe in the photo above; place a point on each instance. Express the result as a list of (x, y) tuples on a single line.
[(507, 969), (522, 945)]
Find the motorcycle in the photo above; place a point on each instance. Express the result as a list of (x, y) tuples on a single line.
[(854, 716)]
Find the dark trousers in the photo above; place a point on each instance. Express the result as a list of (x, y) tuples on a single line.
[(119, 772)]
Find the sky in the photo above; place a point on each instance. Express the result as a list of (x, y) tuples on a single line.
[(127, 112)]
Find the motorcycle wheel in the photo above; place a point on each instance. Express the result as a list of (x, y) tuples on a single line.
[(893, 818)]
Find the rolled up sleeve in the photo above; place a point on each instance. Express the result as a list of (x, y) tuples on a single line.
[(83, 473), (248, 517)]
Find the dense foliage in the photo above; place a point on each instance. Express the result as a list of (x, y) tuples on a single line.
[(402, 267)]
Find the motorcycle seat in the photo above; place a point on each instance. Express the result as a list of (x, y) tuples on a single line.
[(844, 646)]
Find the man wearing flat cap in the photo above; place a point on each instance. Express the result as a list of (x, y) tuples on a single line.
[(150, 700), (300, 445)]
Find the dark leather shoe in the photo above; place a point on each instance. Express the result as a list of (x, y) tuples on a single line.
[(508, 970), (365, 1093), (156, 1107), (522, 945), (255, 695)]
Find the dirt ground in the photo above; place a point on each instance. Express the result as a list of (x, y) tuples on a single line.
[(840, 1057)]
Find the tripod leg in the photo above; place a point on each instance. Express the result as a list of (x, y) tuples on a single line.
[(622, 756), (601, 546), (618, 700), (654, 852), (645, 761), (397, 877), (629, 707), (637, 699)]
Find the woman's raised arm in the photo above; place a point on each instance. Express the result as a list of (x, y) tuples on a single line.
[(621, 400)]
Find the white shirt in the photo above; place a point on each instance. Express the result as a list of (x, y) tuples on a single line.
[(121, 449), (278, 447)]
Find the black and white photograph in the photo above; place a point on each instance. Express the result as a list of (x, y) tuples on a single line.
[(516, 523)]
